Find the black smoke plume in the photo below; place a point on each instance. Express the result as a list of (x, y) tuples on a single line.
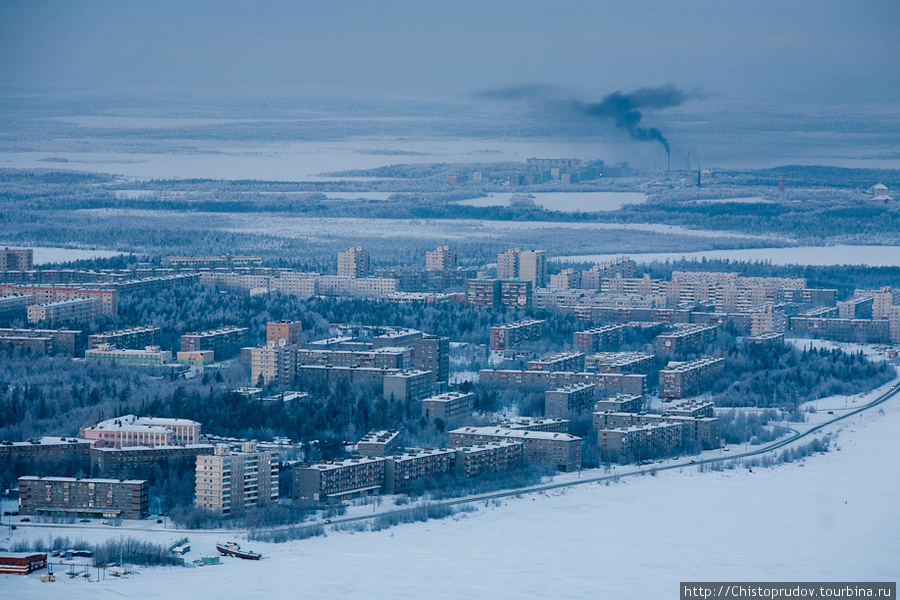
[(625, 110)]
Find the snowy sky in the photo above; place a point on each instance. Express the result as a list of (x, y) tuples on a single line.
[(791, 48)]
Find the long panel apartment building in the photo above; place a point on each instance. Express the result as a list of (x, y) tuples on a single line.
[(598, 339), (562, 361), (131, 338), (70, 342), (607, 383), (339, 480), (449, 405), (83, 497), (46, 294), (512, 335), (576, 397), (683, 379), (639, 442), (618, 362), (559, 450), (137, 461), (224, 341), (229, 481), (64, 311), (687, 338), (150, 356)]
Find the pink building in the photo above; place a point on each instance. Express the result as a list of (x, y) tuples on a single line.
[(130, 430)]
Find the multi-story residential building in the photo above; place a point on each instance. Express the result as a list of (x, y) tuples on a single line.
[(566, 279), (618, 362), (632, 286), (489, 457), (396, 336), (533, 267), (46, 294), (356, 287), (71, 451), (639, 442), (695, 409), (559, 450), (630, 403), (339, 480), (379, 443), (83, 497), (405, 471), (597, 339), (508, 264), (859, 307), (15, 306), (440, 259), (512, 335), (289, 331), (197, 360), (767, 319), (516, 293), (40, 345), (622, 267), (771, 338), (382, 358), (576, 397), (353, 263), (683, 379), (871, 331), (224, 341), (449, 405), (70, 342), (410, 385), (687, 338), (137, 461), (432, 353), (78, 309), (607, 383), (483, 292), (229, 481), (553, 425), (196, 262), (562, 361), (150, 356), (275, 363), (129, 430), (16, 259), (883, 300), (132, 338), (312, 375)]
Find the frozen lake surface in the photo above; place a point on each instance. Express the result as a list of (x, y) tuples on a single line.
[(567, 201), (873, 256)]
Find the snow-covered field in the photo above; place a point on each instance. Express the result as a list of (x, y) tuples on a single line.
[(831, 517), (567, 201), (873, 256)]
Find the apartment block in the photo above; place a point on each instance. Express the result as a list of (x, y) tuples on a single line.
[(47, 294), (410, 385), (79, 309), (856, 308), (70, 342), (483, 292), (562, 361), (379, 443), (566, 279), (639, 442), (516, 293), (512, 335), (620, 403), (132, 338), (559, 402), (432, 353), (129, 430), (83, 497), (150, 356), (382, 358), (353, 263), (275, 363), (339, 480), (683, 379), (224, 341), (694, 409), (16, 259), (607, 383), (559, 450), (404, 471), (47, 449), (687, 338), (396, 336), (864, 331), (767, 319), (228, 481), (137, 461), (449, 405), (312, 375), (554, 425), (197, 262), (598, 339), (633, 286), (440, 259), (289, 331), (623, 267), (15, 306), (618, 362), (40, 345), (489, 457)]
